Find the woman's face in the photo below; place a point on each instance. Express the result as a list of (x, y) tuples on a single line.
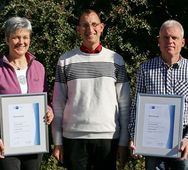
[(18, 43)]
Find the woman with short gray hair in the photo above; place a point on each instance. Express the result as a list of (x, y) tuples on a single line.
[(21, 73)]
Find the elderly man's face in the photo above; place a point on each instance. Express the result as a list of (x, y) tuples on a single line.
[(171, 42)]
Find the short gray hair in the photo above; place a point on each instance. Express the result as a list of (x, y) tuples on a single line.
[(170, 23), (15, 23)]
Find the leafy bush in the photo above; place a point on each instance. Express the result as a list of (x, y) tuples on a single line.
[(131, 30), (54, 33)]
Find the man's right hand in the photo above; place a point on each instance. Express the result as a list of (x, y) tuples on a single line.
[(58, 153), (133, 147), (1, 149)]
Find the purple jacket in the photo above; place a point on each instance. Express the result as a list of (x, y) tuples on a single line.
[(36, 78)]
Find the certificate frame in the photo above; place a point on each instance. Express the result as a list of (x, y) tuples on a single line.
[(150, 124), (22, 123)]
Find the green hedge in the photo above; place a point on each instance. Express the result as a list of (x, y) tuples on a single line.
[(131, 30)]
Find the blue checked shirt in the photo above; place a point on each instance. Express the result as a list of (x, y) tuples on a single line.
[(156, 77)]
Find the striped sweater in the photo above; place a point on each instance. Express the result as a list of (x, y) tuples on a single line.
[(91, 97)]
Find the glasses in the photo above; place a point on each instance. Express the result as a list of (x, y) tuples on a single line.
[(86, 25)]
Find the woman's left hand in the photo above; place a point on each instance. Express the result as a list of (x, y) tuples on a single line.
[(49, 115)]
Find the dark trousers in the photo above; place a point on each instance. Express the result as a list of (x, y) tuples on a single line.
[(23, 162), (90, 154)]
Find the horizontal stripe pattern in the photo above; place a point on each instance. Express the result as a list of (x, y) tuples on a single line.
[(87, 70)]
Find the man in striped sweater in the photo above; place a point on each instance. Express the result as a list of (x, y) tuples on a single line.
[(91, 102)]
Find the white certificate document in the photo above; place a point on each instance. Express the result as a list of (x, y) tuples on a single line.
[(158, 126), (24, 124)]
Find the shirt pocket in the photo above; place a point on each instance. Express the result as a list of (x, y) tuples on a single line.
[(181, 87)]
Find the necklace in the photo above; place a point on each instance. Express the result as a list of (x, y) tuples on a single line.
[(17, 67)]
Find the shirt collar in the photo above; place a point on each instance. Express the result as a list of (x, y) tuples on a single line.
[(175, 65), (86, 50)]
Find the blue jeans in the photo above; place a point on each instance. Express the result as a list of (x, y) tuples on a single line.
[(157, 163)]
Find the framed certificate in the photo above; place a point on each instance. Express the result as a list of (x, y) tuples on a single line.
[(159, 125), (22, 123)]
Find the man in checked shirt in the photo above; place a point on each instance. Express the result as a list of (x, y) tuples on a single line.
[(165, 74)]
